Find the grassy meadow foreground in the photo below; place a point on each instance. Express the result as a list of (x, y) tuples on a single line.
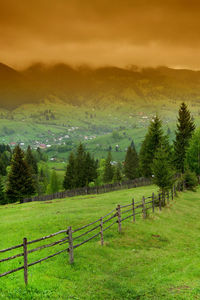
[(156, 258)]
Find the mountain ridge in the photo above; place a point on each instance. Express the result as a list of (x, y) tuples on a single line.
[(82, 85)]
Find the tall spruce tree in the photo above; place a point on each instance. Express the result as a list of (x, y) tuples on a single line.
[(20, 181), (185, 128), (31, 161), (80, 166), (108, 170), (90, 169), (162, 170), (81, 169), (69, 179), (131, 163), (3, 166), (132, 144), (151, 143)]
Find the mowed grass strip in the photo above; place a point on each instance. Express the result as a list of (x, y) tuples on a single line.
[(156, 258)]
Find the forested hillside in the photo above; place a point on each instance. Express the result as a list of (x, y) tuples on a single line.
[(107, 108), (98, 87)]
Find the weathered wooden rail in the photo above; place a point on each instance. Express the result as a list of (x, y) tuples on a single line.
[(93, 190), (75, 238)]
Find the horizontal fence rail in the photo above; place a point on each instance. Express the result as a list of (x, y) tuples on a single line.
[(93, 190), (78, 237)]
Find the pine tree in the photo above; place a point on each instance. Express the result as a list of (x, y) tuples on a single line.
[(90, 169), (31, 161), (132, 144), (69, 179), (2, 194), (81, 169), (131, 163), (80, 165), (5, 158), (108, 170), (151, 143), (38, 154), (185, 128), (2, 166), (20, 181), (162, 170)]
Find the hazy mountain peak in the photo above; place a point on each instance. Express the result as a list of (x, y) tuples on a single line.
[(70, 84)]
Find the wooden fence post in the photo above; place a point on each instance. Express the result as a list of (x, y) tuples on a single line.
[(119, 218), (160, 204), (25, 261), (101, 228), (71, 248), (153, 203), (133, 204), (143, 208)]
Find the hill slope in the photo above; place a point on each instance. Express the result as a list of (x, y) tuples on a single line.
[(58, 105), (153, 259), (99, 87)]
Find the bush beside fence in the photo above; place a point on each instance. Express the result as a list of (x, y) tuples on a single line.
[(73, 241), (93, 190)]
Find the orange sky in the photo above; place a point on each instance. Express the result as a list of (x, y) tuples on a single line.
[(101, 32)]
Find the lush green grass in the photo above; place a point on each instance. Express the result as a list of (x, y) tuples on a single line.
[(157, 258)]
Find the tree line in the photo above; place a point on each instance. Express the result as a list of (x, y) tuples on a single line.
[(157, 158)]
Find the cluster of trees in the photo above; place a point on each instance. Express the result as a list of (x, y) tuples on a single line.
[(81, 169), (24, 179), (20, 179), (162, 160), (157, 159), (131, 163)]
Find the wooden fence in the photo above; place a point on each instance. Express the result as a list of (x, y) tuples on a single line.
[(74, 238), (93, 190)]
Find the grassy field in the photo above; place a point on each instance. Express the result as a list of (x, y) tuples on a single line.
[(156, 258)]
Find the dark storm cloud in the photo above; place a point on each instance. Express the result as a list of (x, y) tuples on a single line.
[(101, 32)]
